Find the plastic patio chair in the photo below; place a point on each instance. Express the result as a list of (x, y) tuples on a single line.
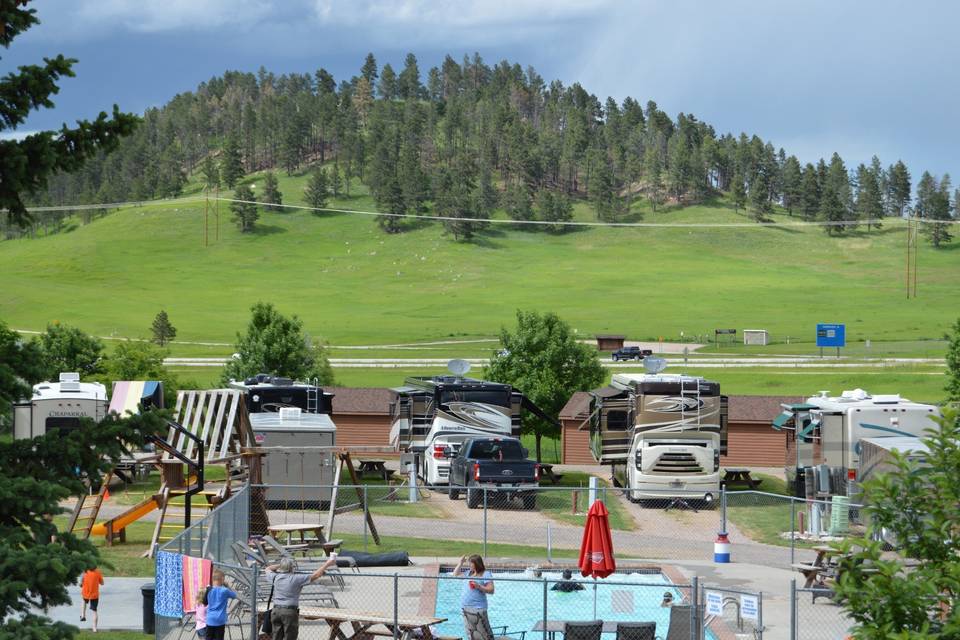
[(479, 628), (270, 544), (681, 622), (582, 630), (636, 630)]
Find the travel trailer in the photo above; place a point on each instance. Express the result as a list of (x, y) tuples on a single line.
[(876, 455), (59, 405), (828, 430), (268, 394), (432, 416), (662, 434)]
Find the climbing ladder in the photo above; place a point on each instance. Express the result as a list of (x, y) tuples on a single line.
[(85, 513), (313, 396), (172, 517)]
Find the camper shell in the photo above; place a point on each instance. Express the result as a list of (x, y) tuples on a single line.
[(59, 406), (828, 430)]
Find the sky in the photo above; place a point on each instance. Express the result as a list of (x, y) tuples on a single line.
[(856, 77)]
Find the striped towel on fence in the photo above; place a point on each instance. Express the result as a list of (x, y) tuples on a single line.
[(196, 575)]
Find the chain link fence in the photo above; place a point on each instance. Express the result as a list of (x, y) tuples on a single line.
[(732, 611), (815, 616)]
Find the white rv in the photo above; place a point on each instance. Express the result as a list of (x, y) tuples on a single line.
[(828, 430), (433, 416), (59, 405), (662, 434)]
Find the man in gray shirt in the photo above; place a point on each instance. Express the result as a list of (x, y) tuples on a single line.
[(287, 585)]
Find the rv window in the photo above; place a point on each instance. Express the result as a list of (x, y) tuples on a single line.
[(496, 450), (62, 424), (617, 421), (498, 398)]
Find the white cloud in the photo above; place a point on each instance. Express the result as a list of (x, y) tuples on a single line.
[(16, 135)]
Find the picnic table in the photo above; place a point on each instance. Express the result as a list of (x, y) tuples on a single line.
[(361, 623), (557, 626), (546, 471), (302, 529), (376, 467), (738, 477), (823, 567)]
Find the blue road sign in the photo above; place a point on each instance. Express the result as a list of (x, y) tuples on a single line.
[(831, 335)]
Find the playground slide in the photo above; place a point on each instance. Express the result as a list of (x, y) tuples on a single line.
[(121, 521)]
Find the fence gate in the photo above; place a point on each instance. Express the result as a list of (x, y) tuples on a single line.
[(731, 612)]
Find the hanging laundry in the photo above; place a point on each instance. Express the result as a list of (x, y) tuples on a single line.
[(196, 575), (169, 593)]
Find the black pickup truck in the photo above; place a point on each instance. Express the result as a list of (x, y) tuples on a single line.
[(630, 353), (497, 465)]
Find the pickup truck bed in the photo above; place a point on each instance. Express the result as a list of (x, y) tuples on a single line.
[(496, 468)]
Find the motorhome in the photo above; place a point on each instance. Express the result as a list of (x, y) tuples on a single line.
[(662, 434), (828, 430), (59, 406), (432, 416)]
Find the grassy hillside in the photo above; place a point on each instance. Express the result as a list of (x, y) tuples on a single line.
[(353, 284)]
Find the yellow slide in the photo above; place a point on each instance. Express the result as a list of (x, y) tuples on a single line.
[(121, 521)]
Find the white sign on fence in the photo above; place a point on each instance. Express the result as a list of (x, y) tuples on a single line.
[(714, 604), (749, 607)]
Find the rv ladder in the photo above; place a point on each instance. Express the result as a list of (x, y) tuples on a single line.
[(313, 400), (88, 507), (689, 388)]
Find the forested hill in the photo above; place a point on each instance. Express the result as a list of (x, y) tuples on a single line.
[(473, 138)]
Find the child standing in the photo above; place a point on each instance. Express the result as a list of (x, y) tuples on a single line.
[(218, 596), (90, 592), (200, 615)]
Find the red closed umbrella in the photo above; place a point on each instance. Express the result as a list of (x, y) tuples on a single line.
[(596, 548)]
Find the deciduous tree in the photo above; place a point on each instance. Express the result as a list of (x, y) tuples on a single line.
[(67, 348), (953, 363), (543, 358), (276, 344)]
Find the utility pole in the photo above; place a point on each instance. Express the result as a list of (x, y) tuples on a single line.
[(912, 246)]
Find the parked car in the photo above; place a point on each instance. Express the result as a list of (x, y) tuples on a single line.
[(630, 353), (498, 466)]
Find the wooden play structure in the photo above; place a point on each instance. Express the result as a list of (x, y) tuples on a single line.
[(209, 428)]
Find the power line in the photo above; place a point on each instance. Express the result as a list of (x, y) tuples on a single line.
[(571, 223)]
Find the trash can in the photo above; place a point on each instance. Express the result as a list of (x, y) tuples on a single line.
[(149, 621)]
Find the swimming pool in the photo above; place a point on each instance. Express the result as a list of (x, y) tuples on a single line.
[(519, 604)]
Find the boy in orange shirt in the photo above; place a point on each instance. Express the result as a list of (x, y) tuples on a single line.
[(90, 592)]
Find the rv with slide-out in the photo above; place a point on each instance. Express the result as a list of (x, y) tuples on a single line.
[(662, 434)]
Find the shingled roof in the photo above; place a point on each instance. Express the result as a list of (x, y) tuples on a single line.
[(742, 408), (360, 400)]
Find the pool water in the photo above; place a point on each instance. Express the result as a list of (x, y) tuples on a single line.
[(519, 605)]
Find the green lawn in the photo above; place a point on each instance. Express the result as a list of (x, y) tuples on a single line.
[(123, 560), (761, 517), (354, 284), (558, 503)]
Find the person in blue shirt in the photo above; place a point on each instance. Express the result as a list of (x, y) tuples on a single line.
[(476, 588), (218, 596)]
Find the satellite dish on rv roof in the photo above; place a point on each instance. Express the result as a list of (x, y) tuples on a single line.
[(654, 365), (458, 367)]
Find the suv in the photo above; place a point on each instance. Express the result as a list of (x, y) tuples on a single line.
[(630, 353)]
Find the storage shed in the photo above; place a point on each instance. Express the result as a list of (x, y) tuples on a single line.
[(609, 341)]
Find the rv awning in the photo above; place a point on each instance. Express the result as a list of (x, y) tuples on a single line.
[(807, 430), (782, 419)]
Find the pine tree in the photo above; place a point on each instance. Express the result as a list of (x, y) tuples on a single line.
[(410, 87), (938, 208), (899, 185), (246, 213), (335, 184), (29, 163), (792, 185), (869, 203), (760, 204), (369, 69), (516, 202), (810, 193), (271, 197), (653, 173), (554, 207), (835, 199), (393, 201), (738, 194), (163, 332), (603, 192), (210, 173), (231, 164), (388, 87), (317, 193)]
